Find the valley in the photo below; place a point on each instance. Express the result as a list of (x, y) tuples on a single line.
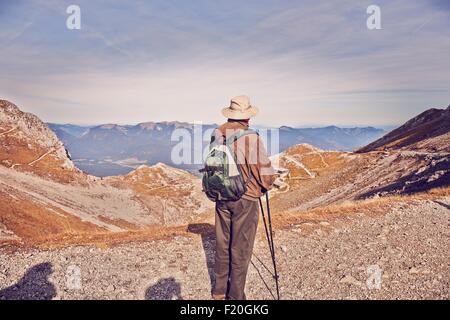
[(108, 150)]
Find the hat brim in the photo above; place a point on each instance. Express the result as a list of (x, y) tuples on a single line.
[(240, 115)]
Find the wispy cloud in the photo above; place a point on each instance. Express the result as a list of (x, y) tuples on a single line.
[(309, 62)]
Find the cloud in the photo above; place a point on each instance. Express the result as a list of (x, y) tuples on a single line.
[(313, 62), (441, 4)]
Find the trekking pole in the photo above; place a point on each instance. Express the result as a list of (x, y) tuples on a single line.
[(269, 235), (273, 246), (265, 228)]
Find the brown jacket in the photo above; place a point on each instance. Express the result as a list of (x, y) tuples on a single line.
[(251, 156)]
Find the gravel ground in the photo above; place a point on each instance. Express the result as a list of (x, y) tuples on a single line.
[(400, 255)]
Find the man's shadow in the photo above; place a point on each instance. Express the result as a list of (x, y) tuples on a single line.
[(34, 285), (164, 289), (207, 232)]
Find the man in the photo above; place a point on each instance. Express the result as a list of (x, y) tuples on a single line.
[(236, 221)]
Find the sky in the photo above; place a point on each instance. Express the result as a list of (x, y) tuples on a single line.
[(303, 63)]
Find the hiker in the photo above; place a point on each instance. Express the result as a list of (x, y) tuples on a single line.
[(237, 211)]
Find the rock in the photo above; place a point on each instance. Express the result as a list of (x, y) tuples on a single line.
[(414, 270), (348, 279), (284, 249), (181, 239), (110, 288), (319, 232)]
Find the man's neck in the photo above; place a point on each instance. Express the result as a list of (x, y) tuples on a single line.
[(244, 123)]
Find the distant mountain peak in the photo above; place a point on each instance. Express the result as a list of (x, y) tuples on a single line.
[(108, 126), (147, 125), (178, 124), (111, 126)]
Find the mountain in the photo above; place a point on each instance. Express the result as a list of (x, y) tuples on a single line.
[(329, 138), (112, 149), (412, 158), (42, 193), (429, 131), (69, 129), (181, 190), (27, 144)]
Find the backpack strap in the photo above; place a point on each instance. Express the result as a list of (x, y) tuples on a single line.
[(235, 136)]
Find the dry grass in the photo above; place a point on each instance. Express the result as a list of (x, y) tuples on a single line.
[(108, 239), (318, 163), (372, 207), (48, 227), (119, 223), (32, 222), (101, 240), (16, 151)]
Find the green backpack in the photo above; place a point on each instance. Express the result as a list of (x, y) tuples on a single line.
[(222, 176)]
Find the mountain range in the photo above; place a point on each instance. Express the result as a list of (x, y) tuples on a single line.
[(45, 198), (111, 149)]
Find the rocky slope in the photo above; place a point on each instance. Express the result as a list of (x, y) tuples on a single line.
[(42, 194), (181, 192), (413, 158), (27, 144), (427, 132), (320, 256)]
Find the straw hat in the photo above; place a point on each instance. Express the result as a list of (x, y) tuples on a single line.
[(240, 109)]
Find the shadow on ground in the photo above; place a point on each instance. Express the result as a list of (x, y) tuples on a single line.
[(169, 288), (34, 285), (207, 232), (164, 289), (265, 278), (416, 182)]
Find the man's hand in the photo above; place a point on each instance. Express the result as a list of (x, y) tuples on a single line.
[(281, 172)]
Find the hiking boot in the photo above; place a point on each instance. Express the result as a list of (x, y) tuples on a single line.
[(218, 296)]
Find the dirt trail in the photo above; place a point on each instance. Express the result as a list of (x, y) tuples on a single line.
[(406, 249), (9, 131), (41, 157), (300, 164)]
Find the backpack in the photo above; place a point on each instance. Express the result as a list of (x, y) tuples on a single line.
[(222, 176)]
